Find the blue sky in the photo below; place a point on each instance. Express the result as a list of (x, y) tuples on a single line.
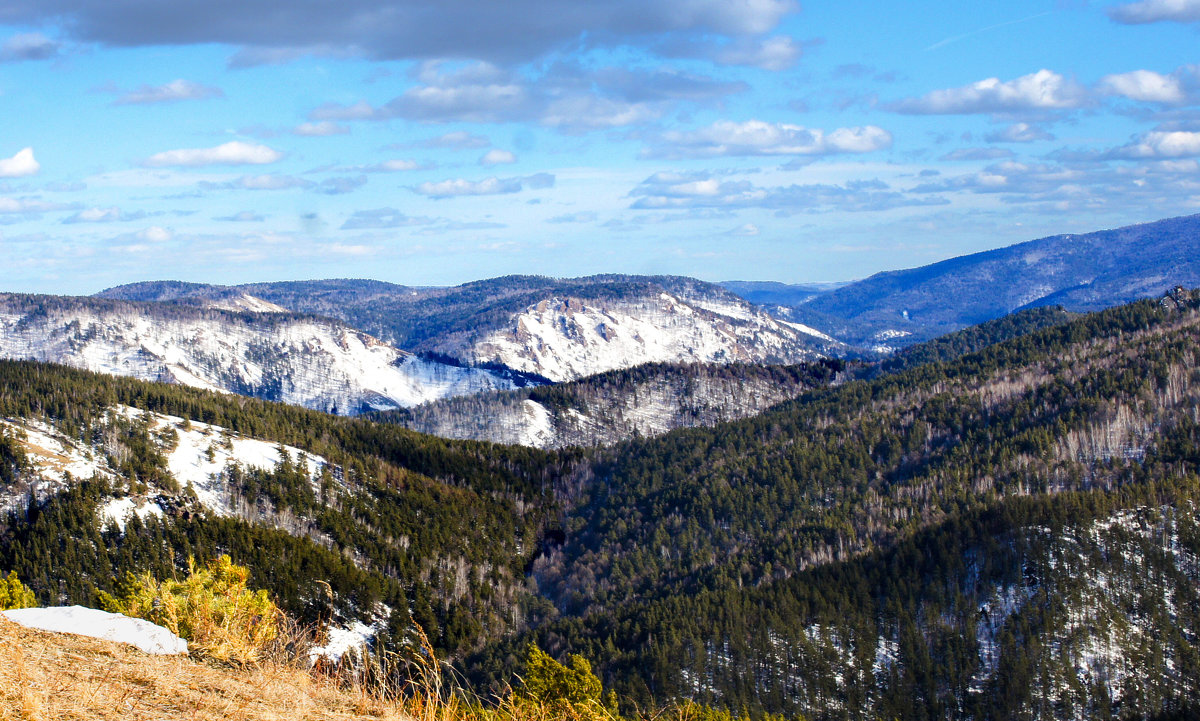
[(432, 144)]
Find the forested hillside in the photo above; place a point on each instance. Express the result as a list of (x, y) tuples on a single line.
[(1008, 533), (648, 400), (1083, 272)]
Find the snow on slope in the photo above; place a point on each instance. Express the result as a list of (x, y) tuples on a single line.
[(198, 456), (606, 411), (247, 302), (55, 458), (568, 338), (91, 622), (304, 361), (355, 636), (204, 451), (119, 510)]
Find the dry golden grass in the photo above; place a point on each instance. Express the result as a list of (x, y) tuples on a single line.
[(51, 677)]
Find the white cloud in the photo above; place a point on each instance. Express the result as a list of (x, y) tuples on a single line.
[(566, 96), (1019, 133), (341, 185), (1152, 11), (265, 181), (320, 129), (30, 205), (488, 186), (19, 165), (96, 215), (479, 93), (583, 216), (756, 137), (156, 234), (749, 230), (382, 218), (271, 181), (396, 165), (362, 110), (676, 191), (231, 153), (1043, 90), (495, 156), (243, 216), (1161, 144), (774, 53), (458, 140), (588, 112), (978, 154), (1144, 85), (171, 92)]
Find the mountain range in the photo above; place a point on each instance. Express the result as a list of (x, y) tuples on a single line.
[(306, 360), (710, 499), (1081, 272), (1000, 525), (559, 329)]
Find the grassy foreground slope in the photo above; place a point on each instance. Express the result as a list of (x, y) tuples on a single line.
[(47, 677)]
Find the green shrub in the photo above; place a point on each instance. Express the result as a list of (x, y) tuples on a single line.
[(14, 594), (548, 681), (211, 608)]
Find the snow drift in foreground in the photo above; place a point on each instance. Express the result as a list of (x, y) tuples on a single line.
[(91, 622)]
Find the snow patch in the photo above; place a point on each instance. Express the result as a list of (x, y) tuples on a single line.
[(537, 427), (54, 459), (120, 510), (51, 453), (340, 640), (245, 302), (809, 330), (148, 637)]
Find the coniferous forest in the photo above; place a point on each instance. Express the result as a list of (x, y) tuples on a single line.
[(1000, 523)]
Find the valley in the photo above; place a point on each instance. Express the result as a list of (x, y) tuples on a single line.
[(1040, 466), (995, 523)]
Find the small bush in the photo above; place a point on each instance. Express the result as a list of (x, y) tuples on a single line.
[(211, 608), (548, 682), (14, 594)]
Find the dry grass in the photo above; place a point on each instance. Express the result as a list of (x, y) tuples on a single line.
[(51, 677), (48, 677)]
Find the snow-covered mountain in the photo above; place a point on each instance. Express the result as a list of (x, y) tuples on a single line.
[(564, 338), (313, 362), (557, 328)]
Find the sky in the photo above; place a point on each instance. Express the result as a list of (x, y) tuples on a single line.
[(426, 143)]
